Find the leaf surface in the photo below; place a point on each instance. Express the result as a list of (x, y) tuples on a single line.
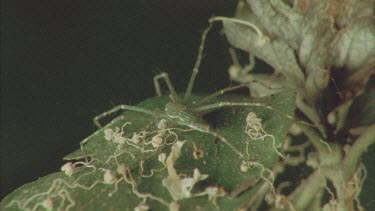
[(138, 174)]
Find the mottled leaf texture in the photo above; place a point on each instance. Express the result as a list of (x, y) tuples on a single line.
[(278, 19), (325, 50), (312, 44), (353, 53), (349, 10), (367, 195), (275, 52), (139, 161)]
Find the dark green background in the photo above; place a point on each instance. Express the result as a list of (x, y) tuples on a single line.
[(63, 62)]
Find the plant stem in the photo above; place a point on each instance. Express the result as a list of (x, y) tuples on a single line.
[(341, 174), (321, 146), (354, 153), (305, 193), (310, 113)]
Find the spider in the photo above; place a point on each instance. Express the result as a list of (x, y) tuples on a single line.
[(181, 110)]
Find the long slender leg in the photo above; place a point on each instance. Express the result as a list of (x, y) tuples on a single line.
[(236, 70), (231, 88), (226, 104), (167, 80), (249, 67), (227, 143), (118, 108), (218, 93), (197, 63), (234, 57), (121, 118), (84, 141)]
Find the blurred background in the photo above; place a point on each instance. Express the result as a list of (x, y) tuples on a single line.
[(63, 62)]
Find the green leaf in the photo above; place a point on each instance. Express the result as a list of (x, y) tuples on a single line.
[(232, 124), (350, 10), (353, 46), (353, 51), (274, 52), (367, 195), (278, 19), (136, 177)]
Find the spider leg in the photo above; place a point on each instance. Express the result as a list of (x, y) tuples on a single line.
[(197, 63), (225, 141), (220, 92), (118, 108), (226, 104), (231, 88), (165, 76), (234, 56), (251, 64), (236, 70), (120, 118), (84, 141)]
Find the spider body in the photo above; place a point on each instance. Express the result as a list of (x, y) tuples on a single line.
[(226, 152), (183, 115), (184, 111)]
